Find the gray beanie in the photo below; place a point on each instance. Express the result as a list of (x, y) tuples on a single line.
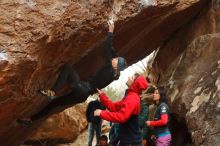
[(121, 64)]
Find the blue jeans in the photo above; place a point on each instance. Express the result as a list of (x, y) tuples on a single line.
[(93, 127)]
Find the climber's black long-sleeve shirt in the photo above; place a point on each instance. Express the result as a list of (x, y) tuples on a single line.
[(105, 75)]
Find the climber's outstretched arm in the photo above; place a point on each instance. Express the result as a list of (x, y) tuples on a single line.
[(109, 51)]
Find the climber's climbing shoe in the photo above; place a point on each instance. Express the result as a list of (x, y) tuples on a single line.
[(47, 92), (24, 121)]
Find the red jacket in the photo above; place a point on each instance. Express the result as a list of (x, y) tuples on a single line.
[(121, 111)]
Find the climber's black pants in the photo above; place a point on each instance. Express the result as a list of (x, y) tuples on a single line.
[(79, 93), (66, 76)]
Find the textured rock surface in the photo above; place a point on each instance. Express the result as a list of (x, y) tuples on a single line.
[(37, 37), (189, 68), (63, 127)]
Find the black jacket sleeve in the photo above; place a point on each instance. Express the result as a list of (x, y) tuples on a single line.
[(109, 51), (88, 110)]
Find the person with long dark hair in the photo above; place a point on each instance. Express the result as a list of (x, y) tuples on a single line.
[(161, 118)]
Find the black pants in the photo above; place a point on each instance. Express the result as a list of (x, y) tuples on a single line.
[(66, 76), (80, 92)]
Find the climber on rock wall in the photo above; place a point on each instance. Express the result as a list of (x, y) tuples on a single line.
[(80, 90)]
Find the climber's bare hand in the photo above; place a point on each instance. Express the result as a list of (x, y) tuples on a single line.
[(111, 25)]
